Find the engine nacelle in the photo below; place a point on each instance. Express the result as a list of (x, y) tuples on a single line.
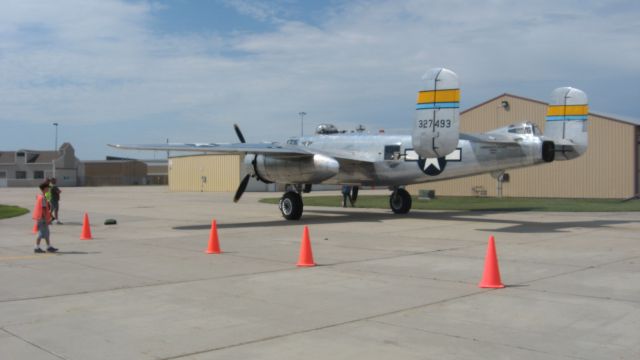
[(291, 170)]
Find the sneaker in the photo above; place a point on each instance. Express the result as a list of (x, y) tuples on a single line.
[(51, 249), (59, 222), (38, 251)]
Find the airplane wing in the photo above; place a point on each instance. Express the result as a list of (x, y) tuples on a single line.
[(258, 148), (275, 149)]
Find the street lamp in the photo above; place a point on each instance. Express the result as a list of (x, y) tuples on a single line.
[(56, 143), (302, 114), (53, 162)]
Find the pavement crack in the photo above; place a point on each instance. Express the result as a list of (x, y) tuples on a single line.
[(584, 268), (33, 344), (166, 283), (328, 326), (590, 267), (461, 337)]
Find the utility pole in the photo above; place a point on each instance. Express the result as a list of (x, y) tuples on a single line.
[(302, 114), (55, 148)]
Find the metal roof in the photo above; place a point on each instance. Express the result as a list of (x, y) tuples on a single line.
[(615, 117)]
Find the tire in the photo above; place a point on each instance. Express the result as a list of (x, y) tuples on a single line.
[(400, 201), (291, 205)]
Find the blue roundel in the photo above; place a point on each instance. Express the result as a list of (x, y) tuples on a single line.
[(432, 166)]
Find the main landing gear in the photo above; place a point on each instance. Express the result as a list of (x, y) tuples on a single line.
[(291, 205), (400, 201)]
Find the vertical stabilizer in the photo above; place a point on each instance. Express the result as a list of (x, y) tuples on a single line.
[(436, 128), (566, 123)]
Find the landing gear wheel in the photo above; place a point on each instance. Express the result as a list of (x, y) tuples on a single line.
[(291, 205), (400, 201)]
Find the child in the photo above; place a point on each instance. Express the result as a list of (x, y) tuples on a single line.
[(42, 214)]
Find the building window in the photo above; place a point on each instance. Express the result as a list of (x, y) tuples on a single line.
[(38, 174), (3, 174), (21, 174)]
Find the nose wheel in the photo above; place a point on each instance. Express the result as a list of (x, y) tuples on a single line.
[(291, 205), (400, 201)]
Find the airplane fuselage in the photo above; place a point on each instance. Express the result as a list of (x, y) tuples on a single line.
[(391, 160)]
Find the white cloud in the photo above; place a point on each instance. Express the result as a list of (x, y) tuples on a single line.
[(81, 61), (258, 10)]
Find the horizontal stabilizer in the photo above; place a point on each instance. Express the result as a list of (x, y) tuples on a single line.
[(488, 138)]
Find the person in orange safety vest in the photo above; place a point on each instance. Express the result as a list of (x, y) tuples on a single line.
[(42, 214)]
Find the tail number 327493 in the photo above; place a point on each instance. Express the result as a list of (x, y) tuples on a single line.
[(430, 123)]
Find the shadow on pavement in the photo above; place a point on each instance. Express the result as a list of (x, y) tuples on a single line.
[(312, 216), (77, 252)]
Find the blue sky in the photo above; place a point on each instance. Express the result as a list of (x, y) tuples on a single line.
[(127, 71)]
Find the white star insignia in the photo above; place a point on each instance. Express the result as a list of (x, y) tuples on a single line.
[(432, 161)]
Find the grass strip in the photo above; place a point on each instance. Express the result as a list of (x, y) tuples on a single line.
[(8, 211)]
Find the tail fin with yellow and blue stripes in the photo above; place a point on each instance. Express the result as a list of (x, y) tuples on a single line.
[(566, 123), (436, 128)]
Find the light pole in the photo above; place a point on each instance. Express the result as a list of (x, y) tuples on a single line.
[(56, 143), (302, 114), (53, 162)]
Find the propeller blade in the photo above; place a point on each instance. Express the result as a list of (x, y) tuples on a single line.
[(241, 188), (239, 133)]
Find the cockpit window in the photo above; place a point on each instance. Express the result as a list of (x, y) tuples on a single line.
[(536, 130), (525, 129), (292, 142), (518, 130)]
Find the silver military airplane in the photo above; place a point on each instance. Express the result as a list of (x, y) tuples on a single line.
[(435, 149)]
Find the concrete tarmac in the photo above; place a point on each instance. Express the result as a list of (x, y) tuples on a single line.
[(386, 286)]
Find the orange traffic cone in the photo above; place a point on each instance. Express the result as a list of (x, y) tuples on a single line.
[(86, 228), (306, 255), (35, 227), (491, 276), (214, 245)]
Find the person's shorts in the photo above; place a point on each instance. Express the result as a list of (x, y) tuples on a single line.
[(43, 229), (54, 205)]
